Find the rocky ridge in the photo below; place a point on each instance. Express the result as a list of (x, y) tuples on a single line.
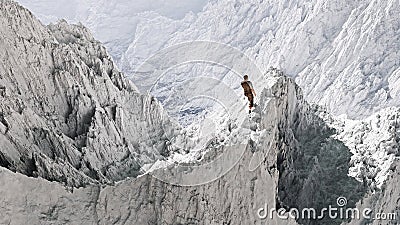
[(72, 120), (67, 113)]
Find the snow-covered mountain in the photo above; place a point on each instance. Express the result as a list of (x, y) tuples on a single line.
[(70, 119), (374, 142), (344, 54), (112, 21), (67, 113), (63, 102)]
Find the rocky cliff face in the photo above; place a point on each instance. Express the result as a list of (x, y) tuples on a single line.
[(71, 120), (384, 203), (344, 54), (233, 199), (93, 108), (66, 113)]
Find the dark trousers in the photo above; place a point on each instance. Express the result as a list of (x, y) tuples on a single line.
[(251, 99)]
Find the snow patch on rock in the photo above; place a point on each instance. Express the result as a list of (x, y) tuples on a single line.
[(374, 142)]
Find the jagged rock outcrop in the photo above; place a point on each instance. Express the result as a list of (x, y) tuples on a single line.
[(67, 114), (234, 198), (374, 143), (344, 54), (311, 163), (71, 119), (384, 203)]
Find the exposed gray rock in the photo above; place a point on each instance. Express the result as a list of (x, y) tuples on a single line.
[(72, 120), (67, 114), (235, 198), (383, 204)]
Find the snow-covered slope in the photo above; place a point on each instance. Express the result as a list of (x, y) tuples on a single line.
[(68, 116), (263, 174), (374, 142), (344, 54), (113, 22), (385, 202)]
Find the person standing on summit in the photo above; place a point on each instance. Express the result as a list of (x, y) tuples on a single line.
[(248, 91)]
